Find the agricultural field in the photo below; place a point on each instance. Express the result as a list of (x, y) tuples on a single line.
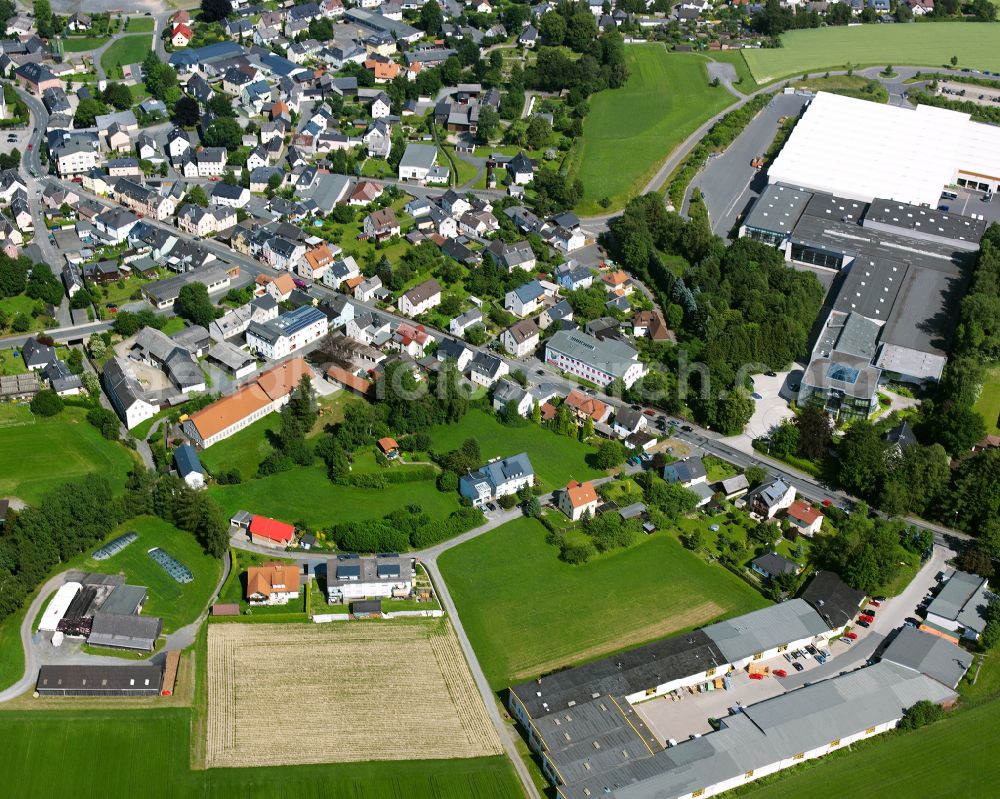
[(176, 603), (927, 44), (988, 404), (407, 684), (121, 754), (125, 50), (556, 459), (40, 454), (527, 612), (630, 131)]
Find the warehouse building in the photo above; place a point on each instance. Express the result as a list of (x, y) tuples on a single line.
[(144, 680), (959, 609), (929, 654), (124, 631), (822, 153)]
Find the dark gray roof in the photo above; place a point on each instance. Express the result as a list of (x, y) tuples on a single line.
[(765, 629), (774, 564), (833, 599), (125, 631), (125, 599), (95, 679), (929, 654)]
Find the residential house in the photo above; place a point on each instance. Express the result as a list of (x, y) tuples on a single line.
[(280, 287), (767, 500), (583, 406), (518, 255), (499, 478), (733, 487), (771, 566), (629, 421), (521, 170), (368, 289), (560, 313), (379, 577), (420, 298), (486, 369), (229, 195), (126, 394), (189, 467), (521, 339), (381, 224), (573, 276), (181, 35), (417, 162), (365, 192), (578, 500), (270, 532), (807, 520), (211, 161), (650, 324), (273, 583), (464, 321), (37, 356), (959, 609), (115, 224), (289, 332), (525, 299)]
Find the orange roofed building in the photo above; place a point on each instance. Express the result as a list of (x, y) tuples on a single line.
[(805, 517), (577, 499), (268, 393), (272, 584), (270, 532), (583, 406)]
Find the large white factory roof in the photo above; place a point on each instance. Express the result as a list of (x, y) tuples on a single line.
[(862, 150)]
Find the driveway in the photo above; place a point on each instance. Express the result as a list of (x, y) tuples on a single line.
[(769, 411)]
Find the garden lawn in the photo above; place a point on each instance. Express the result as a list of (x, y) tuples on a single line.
[(988, 404), (139, 25), (305, 494), (125, 50), (11, 364), (82, 44), (22, 303), (526, 612), (176, 603), (630, 131), (954, 757), (119, 754), (243, 451), (556, 459), (926, 44), (38, 456)]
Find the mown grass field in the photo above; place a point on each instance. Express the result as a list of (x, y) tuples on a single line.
[(139, 25), (243, 451), (556, 458), (125, 50), (306, 494), (526, 612), (630, 131), (954, 757), (988, 404), (925, 44), (82, 44), (124, 754), (176, 603), (38, 456)]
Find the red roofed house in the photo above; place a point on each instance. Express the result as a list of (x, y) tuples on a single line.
[(577, 499), (389, 447), (182, 17), (583, 406), (411, 339), (805, 517), (271, 533), (351, 381), (181, 35), (272, 584)]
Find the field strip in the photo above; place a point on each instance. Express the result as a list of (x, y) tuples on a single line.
[(282, 694), (692, 617)]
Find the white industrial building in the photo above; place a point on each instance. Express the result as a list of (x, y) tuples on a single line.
[(852, 148), (58, 606)]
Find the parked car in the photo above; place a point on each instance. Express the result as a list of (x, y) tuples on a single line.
[(779, 673), (770, 374), (847, 640), (863, 623), (756, 396), (649, 412), (820, 659), (851, 636), (756, 676), (866, 618), (879, 599), (797, 666), (787, 657), (876, 603), (811, 649), (686, 428)]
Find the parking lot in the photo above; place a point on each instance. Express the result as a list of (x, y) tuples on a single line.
[(685, 712), (969, 202), (9, 139), (969, 92)]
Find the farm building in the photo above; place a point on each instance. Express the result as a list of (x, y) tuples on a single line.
[(270, 532), (349, 578), (125, 599), (58, 606), (125, 631), (272, 584), (125, 680)]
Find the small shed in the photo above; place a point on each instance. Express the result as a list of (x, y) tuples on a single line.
[(366, 608), (389, 447), (242, 519)]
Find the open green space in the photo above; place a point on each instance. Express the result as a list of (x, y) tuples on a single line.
[(11, 364), (848, 85), (11, 651), (123, 754), (988, 404), (556, 459), (925, 44), (23, 304), (954, 757), (630, 131), (526, 612), (125, 50), (307, 495), (82, 44), (243, 451), (139, 25), (176, 603), (38, 456)]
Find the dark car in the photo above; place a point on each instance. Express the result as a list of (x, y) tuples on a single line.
[(686, 428), (770, 374), (797, 666), (863, 623)]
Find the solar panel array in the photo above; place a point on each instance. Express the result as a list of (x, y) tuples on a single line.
[(171, 565), (114, 547)]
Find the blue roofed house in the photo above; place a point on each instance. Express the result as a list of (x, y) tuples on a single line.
[(189, 467), (572, 276), (524, 300), (499, 478), (772, 565), (690, 473)]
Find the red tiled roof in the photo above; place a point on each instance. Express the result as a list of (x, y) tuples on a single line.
[(272, 529), (803, 511)]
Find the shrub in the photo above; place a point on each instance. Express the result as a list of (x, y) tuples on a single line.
[(46, 403), (447, 481), (577, 553), (508, 501)]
